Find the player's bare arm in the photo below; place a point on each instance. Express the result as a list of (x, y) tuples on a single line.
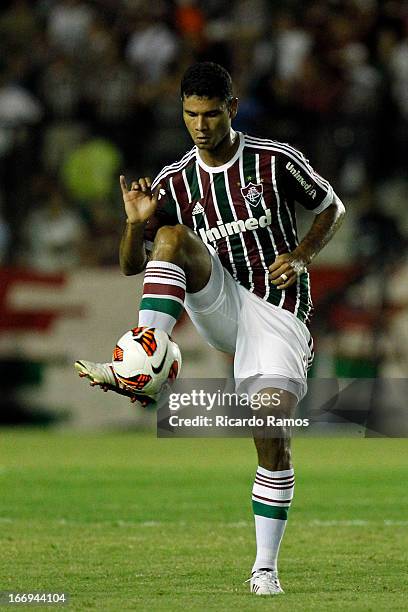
[(140, 205), (286, 267)]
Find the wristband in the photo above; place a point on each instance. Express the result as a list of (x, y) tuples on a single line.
[(298, 266)]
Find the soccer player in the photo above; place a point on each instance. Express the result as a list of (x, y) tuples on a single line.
[(216, 233)]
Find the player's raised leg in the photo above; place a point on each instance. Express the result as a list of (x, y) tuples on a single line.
[(272, 491), (179, 260)]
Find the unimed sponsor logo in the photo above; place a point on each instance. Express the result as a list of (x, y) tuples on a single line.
[(222, 230), (298, 176)]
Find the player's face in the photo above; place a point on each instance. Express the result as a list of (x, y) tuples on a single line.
[(208, 120)]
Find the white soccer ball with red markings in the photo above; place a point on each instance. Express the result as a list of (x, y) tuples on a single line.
[(144, 359)]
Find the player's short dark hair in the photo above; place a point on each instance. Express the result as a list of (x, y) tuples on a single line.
[(207, 80)]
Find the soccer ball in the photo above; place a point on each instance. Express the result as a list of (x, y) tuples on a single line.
[(144, 359)]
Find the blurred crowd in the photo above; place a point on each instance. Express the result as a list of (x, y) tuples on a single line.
[(90, 89)]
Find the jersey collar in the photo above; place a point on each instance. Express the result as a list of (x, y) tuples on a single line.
[(228, 164)]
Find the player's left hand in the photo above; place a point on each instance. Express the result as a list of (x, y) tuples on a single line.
[(283, 272)]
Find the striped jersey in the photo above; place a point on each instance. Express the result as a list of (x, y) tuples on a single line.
[(245, 209)]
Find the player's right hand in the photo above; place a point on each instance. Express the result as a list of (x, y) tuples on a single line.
[(140, 202)]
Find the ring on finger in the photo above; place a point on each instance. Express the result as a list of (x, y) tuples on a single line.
[(284, 277)]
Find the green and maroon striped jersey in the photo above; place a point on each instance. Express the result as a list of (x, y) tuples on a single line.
[(246, 210)]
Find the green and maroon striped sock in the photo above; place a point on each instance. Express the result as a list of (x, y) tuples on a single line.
[(164, 291), (271, 498)]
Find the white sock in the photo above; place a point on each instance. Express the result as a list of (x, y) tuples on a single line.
[(271, 497), (164, 290)]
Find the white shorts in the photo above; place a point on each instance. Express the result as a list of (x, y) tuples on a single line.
[(272, 347)]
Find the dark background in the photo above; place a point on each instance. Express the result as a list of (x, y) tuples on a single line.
[(90, 89)]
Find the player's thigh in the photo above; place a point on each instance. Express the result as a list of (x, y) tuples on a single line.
[(273, 349), (215, 310)]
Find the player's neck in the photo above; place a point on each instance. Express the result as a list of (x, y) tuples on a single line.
[(223, 152)]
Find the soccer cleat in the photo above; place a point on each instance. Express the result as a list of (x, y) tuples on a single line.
[(102, 375), (265, 582)]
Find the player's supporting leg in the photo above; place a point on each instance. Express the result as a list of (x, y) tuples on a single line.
[(272, 493), (179, 260)]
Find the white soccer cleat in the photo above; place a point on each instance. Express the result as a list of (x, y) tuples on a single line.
[(145, 360), (103, 375), (265, 582), (99, 373)]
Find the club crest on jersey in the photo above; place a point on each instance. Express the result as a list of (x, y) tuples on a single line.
[(252, 193)]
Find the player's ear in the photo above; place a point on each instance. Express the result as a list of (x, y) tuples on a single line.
[(233, 108)]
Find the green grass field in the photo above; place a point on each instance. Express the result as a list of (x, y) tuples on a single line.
[(129, 522)]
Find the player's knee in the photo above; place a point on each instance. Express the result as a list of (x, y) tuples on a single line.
[(171, 239), (171, 236), (274, 402), (178, 244)]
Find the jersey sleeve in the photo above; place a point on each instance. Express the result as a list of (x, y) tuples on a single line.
[(302, 183), (166, 214)]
